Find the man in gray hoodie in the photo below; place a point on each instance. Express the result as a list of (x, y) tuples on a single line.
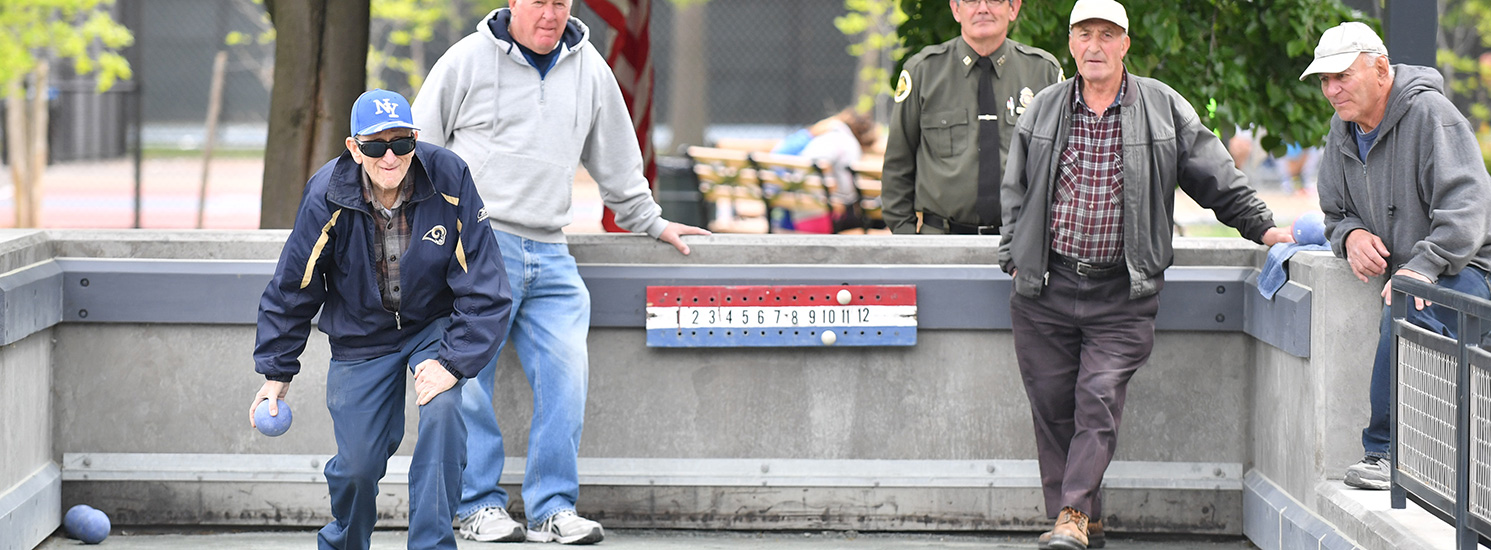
[(525, 100), (1403, 188)]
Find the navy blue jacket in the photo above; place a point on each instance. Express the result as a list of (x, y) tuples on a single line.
[(452, 268)]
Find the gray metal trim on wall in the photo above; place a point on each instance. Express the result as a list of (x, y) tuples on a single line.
[(30, 300), (32, 509), (104, 290), (1284, 321), (948, 296)]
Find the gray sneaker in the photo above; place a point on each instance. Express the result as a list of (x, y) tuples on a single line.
[(1371, 473), (492, 524), (567, 528)]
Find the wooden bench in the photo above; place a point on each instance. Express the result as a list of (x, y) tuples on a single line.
[(797, 186), (727, 179), (867, 177)]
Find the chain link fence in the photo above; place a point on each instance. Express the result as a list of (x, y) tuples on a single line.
[(769, 67)]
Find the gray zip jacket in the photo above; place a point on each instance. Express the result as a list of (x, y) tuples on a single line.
[(524, 135), (1423, 189), (1164, 145)]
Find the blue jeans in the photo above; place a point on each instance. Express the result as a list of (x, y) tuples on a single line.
[(1377, 436), (548, 325), (366, 400)]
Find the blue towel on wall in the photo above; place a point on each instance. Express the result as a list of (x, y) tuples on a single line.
[(1274, 274)]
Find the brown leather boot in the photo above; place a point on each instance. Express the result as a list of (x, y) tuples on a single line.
[(1095, 536), (1070, 532)]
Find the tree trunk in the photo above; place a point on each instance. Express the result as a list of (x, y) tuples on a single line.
[(688, 102), (320, 69), (26, 133), (38, 163), (214, 109), (866, 77), (18, 145)]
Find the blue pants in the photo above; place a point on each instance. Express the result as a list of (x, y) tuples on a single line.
[(548, 326), (1377, 436), (366, 400)]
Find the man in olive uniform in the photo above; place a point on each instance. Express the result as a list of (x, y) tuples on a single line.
[(956, 107)]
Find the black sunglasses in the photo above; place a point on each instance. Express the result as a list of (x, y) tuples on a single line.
[(401, 146)]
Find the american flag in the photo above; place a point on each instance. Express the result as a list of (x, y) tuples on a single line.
[(629, 54)]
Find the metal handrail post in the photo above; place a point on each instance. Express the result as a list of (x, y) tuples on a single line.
[(1469, 332), (1398, 496)]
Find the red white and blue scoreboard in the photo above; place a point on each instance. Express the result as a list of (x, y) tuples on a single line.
[(781, 316)]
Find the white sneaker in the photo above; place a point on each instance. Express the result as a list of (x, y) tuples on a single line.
[(492, 524), (1371, 473), (567, 528)]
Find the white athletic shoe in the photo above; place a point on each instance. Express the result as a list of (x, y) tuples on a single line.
[(492, 524), (567, 528), (1371, 473)]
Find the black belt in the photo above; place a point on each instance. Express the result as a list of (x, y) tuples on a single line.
[(1088, 269), (956, 228)]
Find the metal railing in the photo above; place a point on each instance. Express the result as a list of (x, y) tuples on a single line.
[(1441, 434)]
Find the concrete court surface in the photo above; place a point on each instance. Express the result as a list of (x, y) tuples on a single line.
[(626, 539)]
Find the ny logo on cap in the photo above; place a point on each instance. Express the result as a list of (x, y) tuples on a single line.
[(385, 106)]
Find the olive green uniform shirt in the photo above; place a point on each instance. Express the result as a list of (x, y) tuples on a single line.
[(932, 156)]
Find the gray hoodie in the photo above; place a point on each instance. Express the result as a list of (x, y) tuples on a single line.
[(1423, 190), (524, 135)]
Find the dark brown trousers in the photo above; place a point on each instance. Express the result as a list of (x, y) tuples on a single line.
[(1078, 345)]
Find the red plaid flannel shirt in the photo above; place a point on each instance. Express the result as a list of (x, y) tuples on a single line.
[(1087, 211)]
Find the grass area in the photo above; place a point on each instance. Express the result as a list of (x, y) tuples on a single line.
[(1207, 230), (177, 152)]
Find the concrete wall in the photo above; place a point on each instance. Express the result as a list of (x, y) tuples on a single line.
[(150, 419), (30, 482), (1309, 413)]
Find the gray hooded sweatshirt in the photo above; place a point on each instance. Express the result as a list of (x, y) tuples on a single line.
[(524, 135), (1423, 189)]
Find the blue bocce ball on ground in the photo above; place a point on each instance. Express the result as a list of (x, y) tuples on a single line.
[(272, 425), (87, 524)]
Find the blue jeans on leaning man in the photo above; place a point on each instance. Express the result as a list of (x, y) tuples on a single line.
[(1376, 437), (366, 401), (549, 321)]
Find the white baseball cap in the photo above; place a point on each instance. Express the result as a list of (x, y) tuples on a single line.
[(1107, 10), (1340, 45)]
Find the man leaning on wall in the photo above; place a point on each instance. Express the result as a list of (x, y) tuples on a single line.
[(1404, 191), (526, 99), (1087, 238)]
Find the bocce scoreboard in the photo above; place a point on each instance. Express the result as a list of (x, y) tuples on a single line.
[(781, 316)]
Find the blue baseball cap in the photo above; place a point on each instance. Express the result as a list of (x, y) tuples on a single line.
[(378, 110)]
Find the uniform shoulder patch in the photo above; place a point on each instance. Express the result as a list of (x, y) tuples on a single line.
[(903, 86)]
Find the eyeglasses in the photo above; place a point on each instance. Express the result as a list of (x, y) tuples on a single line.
[(990, 3), (401, 146)]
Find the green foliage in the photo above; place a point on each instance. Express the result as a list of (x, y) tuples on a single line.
[(1464, 60), (399, 27), (264, 37), (37, 31), (874, 22), (1246, 55)]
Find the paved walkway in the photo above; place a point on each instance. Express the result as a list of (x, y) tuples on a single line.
[(640, 540), (100, 194)]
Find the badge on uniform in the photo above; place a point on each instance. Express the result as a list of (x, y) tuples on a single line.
[(903, 86), (1026, 96)]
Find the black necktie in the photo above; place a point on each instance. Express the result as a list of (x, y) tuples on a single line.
[(987, 204)]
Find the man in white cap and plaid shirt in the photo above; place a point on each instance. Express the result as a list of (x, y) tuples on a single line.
[(1088, 244), (1403, 188)]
